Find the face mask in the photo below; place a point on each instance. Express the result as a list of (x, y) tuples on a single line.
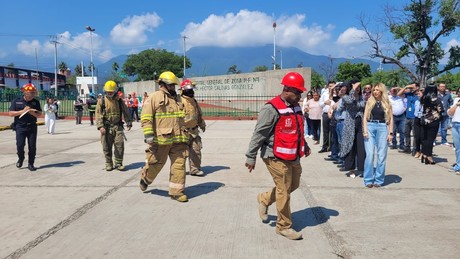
[(172, 92), (188, 92)]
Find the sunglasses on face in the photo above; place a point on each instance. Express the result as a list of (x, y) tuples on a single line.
[(293, 90)]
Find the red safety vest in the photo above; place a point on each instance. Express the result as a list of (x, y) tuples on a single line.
[(288, 143)]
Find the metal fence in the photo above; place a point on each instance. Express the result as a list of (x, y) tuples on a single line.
[(231, 107)]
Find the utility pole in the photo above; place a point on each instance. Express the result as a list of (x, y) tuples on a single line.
[(36, 63), (91, 30), (274, 45), (185, 37), (55, 42)]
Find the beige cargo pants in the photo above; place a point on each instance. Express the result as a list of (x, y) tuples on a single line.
[(156, 156), (286, 175)]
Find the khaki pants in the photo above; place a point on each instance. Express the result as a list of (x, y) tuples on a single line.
[(114, 138), (194, 153), (286, 175), (156, 156)]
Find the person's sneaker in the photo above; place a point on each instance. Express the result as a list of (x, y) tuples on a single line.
[(120, 167), (350, 174), (31, 167), (263, 209), (289, 234), (454, 170), (180, 197), (199, 173), (108, 167), (143, 185)]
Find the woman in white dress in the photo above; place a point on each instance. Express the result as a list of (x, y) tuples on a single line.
[(50, 115)]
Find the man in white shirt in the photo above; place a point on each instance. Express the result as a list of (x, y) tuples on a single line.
[(399, 117), (325, 103)]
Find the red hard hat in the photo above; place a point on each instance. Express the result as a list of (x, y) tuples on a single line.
[(186, 84), (294, 80), (29, 88)]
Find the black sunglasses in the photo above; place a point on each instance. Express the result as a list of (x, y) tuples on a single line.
[(293, 90)]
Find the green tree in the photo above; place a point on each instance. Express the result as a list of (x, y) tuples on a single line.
[(233, 70), (260, 68), (147, 62), (390, 78), (317, 80), (91, 67), (417, 30), (115, 66), (63, 67), (348, 70), (452, 80), (78, 70)]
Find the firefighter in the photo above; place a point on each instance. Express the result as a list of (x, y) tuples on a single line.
[(193, 121), (25, 110), (110, 112), (162, 120)]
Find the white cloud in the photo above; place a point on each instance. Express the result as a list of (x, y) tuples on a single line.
[(29, 47), (351, 36), (451, 43), (132, 30), (253, 28)]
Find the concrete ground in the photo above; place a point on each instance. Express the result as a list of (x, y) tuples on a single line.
[(72, 208)]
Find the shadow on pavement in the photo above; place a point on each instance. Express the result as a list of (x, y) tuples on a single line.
[(192, 191), (202, 189), (61, 133), (213, 169), (391, 179), (63, 164), (137, 165), (301, 219)]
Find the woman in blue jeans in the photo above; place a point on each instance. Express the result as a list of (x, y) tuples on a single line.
[(377, 132), (454, 112)]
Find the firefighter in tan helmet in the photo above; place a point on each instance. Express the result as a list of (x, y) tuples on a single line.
[(164, 129), (193, 121)]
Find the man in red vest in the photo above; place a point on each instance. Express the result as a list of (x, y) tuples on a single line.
[(279, 134)]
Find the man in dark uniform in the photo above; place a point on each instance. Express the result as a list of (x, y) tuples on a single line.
[(26, 110), (91, 106)]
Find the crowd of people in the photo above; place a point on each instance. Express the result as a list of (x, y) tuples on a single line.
[(360, 123)]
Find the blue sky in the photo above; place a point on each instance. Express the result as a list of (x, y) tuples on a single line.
[(328, 27)]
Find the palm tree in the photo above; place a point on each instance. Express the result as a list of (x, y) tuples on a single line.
[(63, 67)]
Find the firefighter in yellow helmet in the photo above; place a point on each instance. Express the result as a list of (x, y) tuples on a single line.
[(164, 129), (110, 112), (193, 121)]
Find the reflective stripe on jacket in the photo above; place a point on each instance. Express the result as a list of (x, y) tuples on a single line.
[(288, 142), (163, 118)]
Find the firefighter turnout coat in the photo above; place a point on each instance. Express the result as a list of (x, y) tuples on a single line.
[(163, 126)]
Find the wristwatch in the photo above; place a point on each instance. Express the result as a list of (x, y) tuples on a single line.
[(391, 133)]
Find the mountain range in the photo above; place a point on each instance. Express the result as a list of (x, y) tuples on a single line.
[(210, 61)]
